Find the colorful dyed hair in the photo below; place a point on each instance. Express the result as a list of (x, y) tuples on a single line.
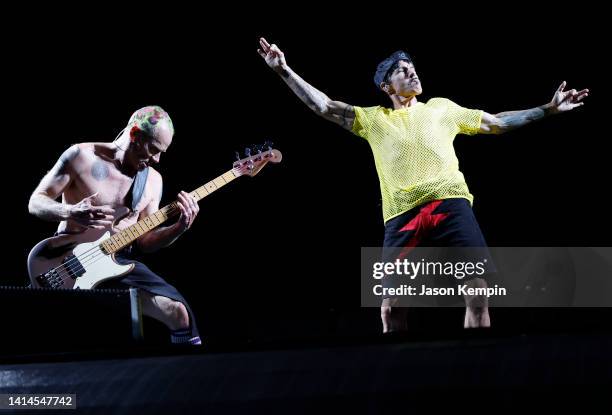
[(146, 119)]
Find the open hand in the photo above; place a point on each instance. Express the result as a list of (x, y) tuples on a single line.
[(567, 100)]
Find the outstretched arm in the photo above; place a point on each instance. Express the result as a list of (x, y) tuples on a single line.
[(336, 111), (506, 121)]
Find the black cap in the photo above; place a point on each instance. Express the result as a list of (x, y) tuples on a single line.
[(384, 66)]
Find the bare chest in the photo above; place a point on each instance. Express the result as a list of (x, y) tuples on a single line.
[(112, 187)]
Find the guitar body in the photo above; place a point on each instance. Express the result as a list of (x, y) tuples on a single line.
[(73, 261)]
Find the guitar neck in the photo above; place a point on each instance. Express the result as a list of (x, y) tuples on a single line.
[(124, 238)]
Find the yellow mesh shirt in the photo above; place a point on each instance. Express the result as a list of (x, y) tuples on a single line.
[(413, 151)]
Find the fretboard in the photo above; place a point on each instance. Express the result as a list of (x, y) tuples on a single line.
[(124, 238)]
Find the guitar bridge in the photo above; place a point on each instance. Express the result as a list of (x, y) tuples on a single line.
[(56, 278), (51, 279)]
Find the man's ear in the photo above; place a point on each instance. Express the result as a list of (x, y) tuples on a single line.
[(134, 134), (387, 88)]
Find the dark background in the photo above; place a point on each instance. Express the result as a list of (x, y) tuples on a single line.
[(270, 253)]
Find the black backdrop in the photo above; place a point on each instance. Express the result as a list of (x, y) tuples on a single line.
[(289, 238)]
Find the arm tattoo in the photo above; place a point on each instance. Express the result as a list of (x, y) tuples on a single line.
[(346, 114), (42, 202), (99, 170), (312, 97), (517, 119), (66, 158)]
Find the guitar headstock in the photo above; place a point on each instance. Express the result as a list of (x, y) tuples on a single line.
[(256, 157)]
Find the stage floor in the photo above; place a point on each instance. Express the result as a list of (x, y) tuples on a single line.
[(365, 375)]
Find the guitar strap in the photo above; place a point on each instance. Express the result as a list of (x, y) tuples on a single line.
[(138, 187)]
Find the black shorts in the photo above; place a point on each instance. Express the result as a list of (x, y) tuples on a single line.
[(448, 227), (440, 223)]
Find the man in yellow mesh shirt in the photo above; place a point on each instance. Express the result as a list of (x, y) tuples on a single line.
[(426, 201)]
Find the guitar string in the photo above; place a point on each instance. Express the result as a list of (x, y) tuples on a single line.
[(94, 254), (70, 265), (171, 210)]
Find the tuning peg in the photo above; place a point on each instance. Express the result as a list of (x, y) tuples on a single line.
[(247, 151), (237, 156)]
